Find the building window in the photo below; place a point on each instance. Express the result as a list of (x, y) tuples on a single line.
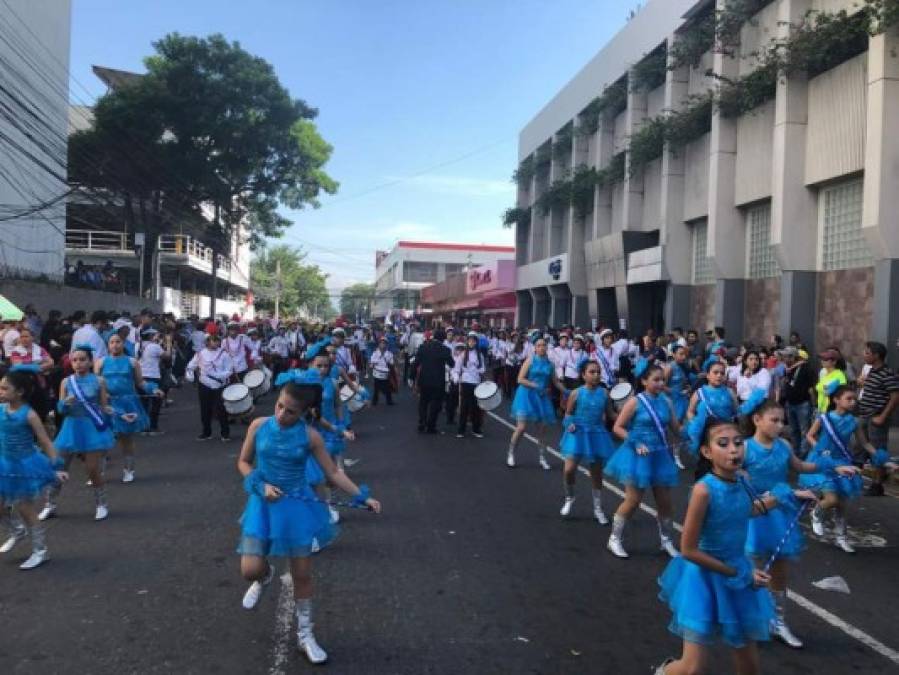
[(454, 268), (843, 246), (702, 265), (762, 261), (419, 272)]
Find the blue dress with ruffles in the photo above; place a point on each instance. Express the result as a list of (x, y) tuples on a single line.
[(79, 433), (288, 526), (720, 406), (534, 405), (707, 606), (654, 469), (118, 371), (678, 383), (590, 441), (826, 449), (768, 467), (334, 441), (24, 470)]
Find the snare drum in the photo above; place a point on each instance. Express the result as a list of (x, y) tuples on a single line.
[(237, 399), (619, 394), (255, 382), (488, 396)]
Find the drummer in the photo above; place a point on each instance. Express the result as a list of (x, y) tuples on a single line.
[(235, 345), (254, 348), (215, 366), (279, 350), (607, 357)]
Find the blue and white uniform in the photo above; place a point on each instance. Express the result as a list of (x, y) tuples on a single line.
[(24, 470), (288, 526), (707, 606), (533, 405), (715, 402), (656, 468), (678, 384), (118, 371), (827, 451), (79, 432), (768, 467), (590, 441)]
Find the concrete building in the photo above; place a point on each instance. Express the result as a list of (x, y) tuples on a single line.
[(483, 295), (34, 106), (410, 266), (781, 217)]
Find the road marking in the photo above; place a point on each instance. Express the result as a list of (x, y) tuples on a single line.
[(283, 621), (835, 621)]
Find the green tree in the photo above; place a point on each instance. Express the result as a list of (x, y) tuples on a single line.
[(356, 300), (301, 284), (212, 125)]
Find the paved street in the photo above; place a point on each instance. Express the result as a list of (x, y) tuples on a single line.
[(468, 570)]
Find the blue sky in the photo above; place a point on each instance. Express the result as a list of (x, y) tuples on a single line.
[(421, 99)]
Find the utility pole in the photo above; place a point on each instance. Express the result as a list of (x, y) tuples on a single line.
[(277, 290)]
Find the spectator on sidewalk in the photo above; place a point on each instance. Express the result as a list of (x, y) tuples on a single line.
[(91, 334), (878, 401), (797, 395)]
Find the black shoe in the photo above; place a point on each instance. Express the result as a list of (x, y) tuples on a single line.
[(876, 490), (204, 437)]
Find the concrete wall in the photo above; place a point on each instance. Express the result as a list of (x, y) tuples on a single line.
[(696, 180), (34, 245), (845, 311), (755, 147), (66, 299), (762, 309)]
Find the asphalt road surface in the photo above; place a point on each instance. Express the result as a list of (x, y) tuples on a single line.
[(469, 569)]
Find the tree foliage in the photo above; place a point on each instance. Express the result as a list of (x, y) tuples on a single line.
[(301, 284), (356, 300)]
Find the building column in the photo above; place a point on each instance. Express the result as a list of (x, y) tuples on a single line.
[(602, 199), (794, 222), (635, 117), (726, 233), (674, 236), (881, 200)]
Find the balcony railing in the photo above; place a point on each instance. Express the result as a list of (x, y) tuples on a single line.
[(100, 242), (183, 244)]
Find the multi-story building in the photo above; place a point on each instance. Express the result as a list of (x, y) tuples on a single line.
[(484, 295), (410, 266), (715, 185), (34, 103)]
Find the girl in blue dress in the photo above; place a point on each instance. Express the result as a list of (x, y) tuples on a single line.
[(283, 517), (644, 459), (677, 386), (831, 436), (532, 403), (713, 590), (585, 438), (768, 461), (25, 471), (86, 429), (712, 401), (124, 380)]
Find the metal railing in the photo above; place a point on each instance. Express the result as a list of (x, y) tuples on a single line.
[(183, 244), (100, 241)]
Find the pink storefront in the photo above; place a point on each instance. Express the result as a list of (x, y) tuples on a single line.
[(484, 295)]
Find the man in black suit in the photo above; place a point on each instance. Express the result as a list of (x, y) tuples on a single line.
[(431, 361)]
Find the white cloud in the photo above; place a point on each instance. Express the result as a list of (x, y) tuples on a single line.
[(460, 185)]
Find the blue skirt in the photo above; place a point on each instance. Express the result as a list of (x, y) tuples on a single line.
[(125, 405), (681, 403), (286, 527), (590, 445), (642, 471), (845, 488), (78, 434), (335, 443), (532, 405), (765, 533), (705, 610), (24, 478)]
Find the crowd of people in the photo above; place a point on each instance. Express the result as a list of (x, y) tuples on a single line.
[(750, 417)]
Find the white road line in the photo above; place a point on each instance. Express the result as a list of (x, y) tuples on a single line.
[(283, 622), (801, 600)]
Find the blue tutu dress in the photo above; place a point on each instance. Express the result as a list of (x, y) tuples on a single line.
[(591, 441), (656, 468), (78, 432), (334, 441), (825, 449), (708, 606), (533, 405), (24, 470), (720, 406), (288, 526), (678, 383), (347, 415), (768, 467), (118, 371)]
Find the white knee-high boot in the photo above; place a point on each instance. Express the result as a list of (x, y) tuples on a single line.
[(305, 637)]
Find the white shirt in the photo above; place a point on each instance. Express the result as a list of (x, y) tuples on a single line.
[(760, 380), (86, 335), (415, 341), (255, 347), (612, 357), (344, 359), (469, 370), (500, 350), (572, 362), (198, 340), (279, 345), (9, 340), (150, 354), (236, 348), (559, 356), (380, 363), (215, 367)]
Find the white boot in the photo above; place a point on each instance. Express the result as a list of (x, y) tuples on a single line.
[(305, 638), (666, 542), (257, 588), (17, 531), (840, 530), (39, 553), (510, 458), (779, 627), (565, 511), (335, 514), (817, 522), (542, 460), (128, 470), (598, 513), (102, 511), (49, 509), (614, 544)]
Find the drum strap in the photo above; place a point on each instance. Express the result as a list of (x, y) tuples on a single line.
[(660, 428), (835, 437)]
